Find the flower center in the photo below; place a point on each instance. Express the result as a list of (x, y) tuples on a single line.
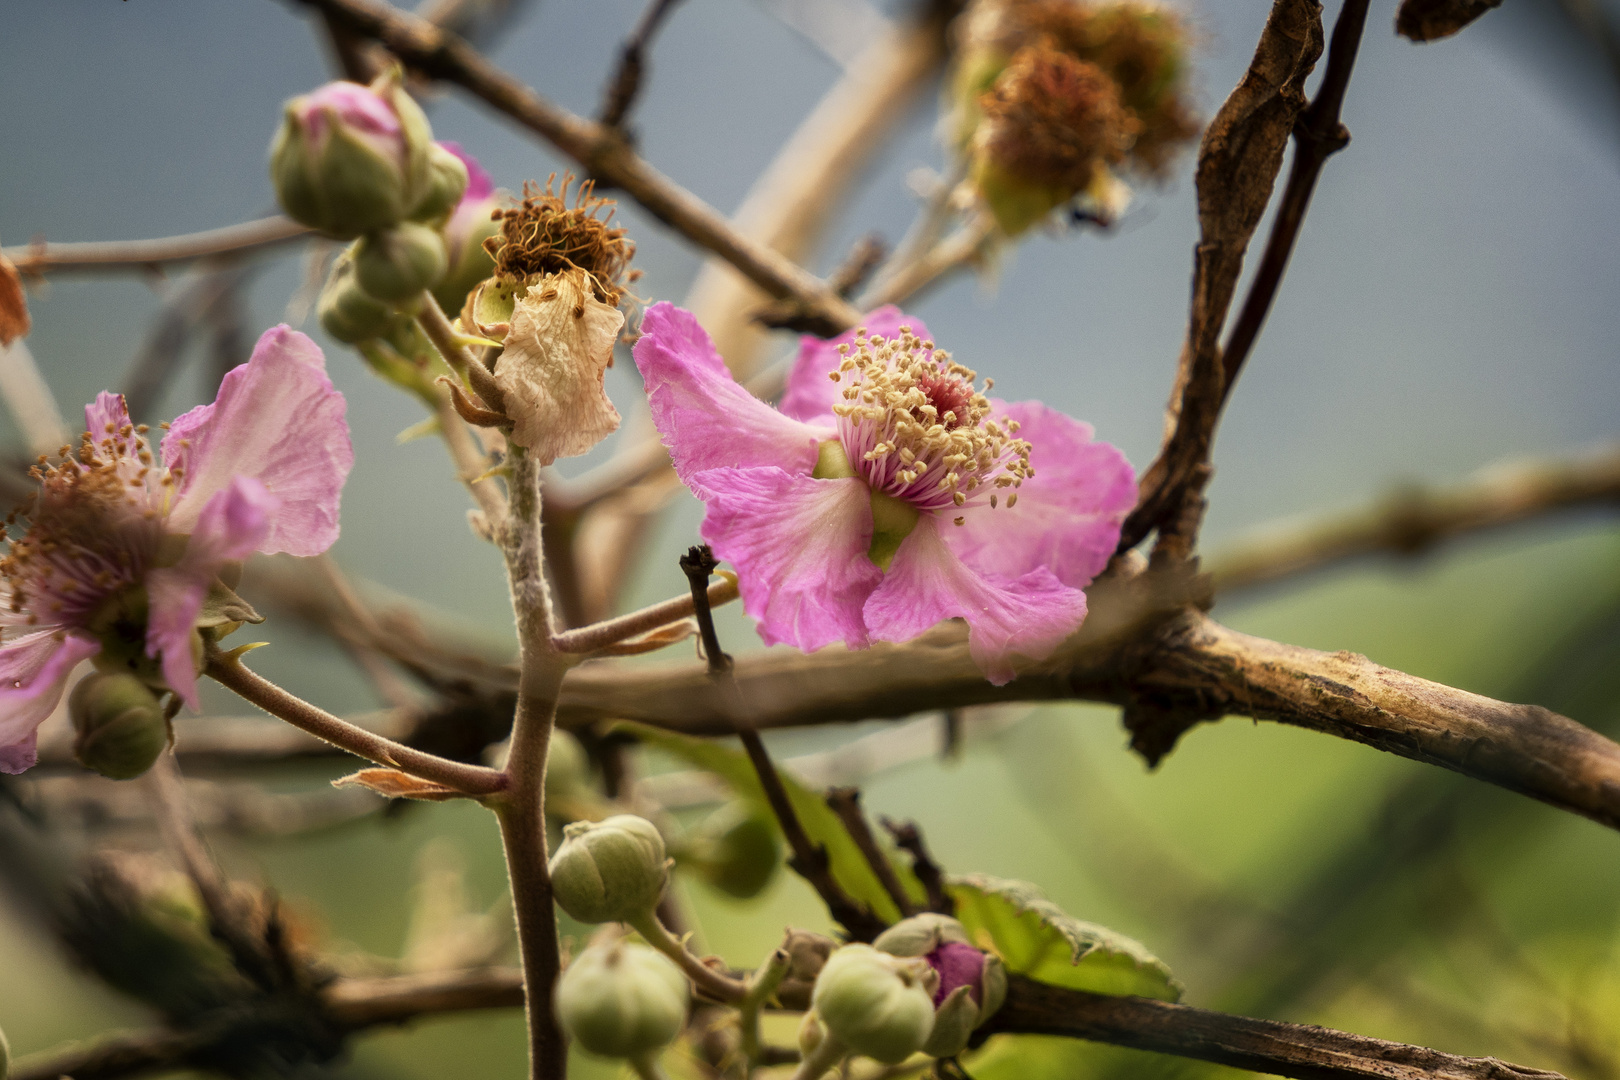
[(93, 528), (915, 427)]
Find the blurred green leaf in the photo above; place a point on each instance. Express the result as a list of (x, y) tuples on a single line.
[(1034, 937), (821, 825)]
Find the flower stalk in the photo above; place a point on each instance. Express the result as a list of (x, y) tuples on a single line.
[(705, 978), (762, 985)]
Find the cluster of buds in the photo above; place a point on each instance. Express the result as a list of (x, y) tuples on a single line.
[(1051, 98), (920, 987)]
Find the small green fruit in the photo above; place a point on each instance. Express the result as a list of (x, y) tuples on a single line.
[(119, 723), (396, 263), (875, 1004), (622, 1000), (610, 871)]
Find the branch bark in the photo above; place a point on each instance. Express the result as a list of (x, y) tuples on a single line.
[(1171, 667), (41, 258), (1266, 1046)]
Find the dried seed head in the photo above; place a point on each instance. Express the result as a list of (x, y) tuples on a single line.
[(1051, 119), (544, 235)]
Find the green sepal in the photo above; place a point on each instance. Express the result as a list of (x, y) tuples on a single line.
[(892, 521)]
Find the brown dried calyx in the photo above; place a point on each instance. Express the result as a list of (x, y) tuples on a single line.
[(543, 235), (1051, 118)]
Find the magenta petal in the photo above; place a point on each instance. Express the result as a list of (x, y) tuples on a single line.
[(707, 421), (1067, 517), (480, 185), (231, 527), (811, 392), (33, 672), (279, 420), (799, 547), (927, 583)]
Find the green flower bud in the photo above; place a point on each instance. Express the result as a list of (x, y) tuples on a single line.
[(622, 1000), (736, 850), (876, 1004), (397, 263), (446, 181), (340, 163), (610, 871), (349, 313), (119, 723)]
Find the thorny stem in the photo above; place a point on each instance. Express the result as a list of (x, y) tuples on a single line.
[(522, 808), (809, 859), (716, 985), (227, 669)]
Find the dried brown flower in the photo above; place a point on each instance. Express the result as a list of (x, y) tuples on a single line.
[(544, 235), (1052, 119)]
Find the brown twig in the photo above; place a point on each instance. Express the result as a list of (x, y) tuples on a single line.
[(40, 258), (1318, 135), (1238, 162), (626, 82), (846, 803), (1413, 520), (229, 671), (441, 55), (1266, 1046), (809, 859), (588, 639), (908, 838)]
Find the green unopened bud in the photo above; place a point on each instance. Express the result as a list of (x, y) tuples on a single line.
[(610, 871), (622, 1000), (876, 1004), (119, 723), (920, 935), (736, 850), (397, 263), (446, 182), (340, 163), (349, 313)]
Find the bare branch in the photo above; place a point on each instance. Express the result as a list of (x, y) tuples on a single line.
[(908, 838), (1413, 520), (1266, 1046), (600, 635), (441, 55), (1171, 668), (41, 258), (846, 803), (626, 81)]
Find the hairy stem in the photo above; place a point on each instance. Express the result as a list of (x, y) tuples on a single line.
[(705, 978), (228, 670), (522, 809)]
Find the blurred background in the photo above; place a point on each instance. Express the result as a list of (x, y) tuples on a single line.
[(1454, 300)]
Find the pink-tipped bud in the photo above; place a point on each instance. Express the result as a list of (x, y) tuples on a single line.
[(350, 158), (471, 223), (969, 985)]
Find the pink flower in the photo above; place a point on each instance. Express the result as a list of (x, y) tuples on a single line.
[(121, 550), (888, 493)]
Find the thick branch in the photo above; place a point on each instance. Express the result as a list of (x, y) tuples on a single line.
[(42, 258), (1265, 1046), (441, 55), (1414, 520), (1171, 669)]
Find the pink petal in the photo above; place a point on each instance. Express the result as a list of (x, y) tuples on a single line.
[(927, 584), (1067, 518), (706, 419), (799, 546), (810, 392), (279, 420), (33, 672), (106, 415), (231, 527)]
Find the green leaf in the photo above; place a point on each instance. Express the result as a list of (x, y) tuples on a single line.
[(1034, 937), (821, 825)]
